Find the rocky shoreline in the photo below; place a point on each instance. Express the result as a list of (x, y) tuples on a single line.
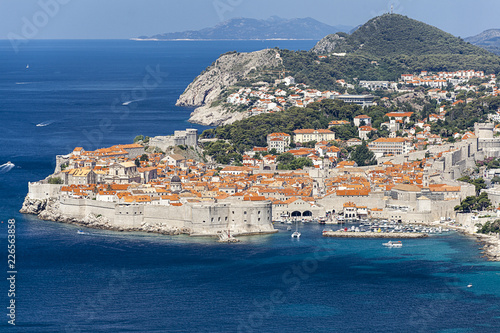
[(215, 116), (211, 84), (490, 243), (48, 210)]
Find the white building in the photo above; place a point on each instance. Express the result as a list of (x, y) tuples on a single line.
[(390, 146), (306, 135)]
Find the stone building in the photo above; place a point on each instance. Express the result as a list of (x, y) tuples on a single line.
[(189, 138)]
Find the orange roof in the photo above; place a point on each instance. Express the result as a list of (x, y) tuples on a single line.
[(279, 134), (391, 140), (399, 114)]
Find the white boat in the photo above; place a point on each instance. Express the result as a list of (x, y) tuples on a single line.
[(288, 228), (27, 66), (296, 234), (393, 244), (80, 232)]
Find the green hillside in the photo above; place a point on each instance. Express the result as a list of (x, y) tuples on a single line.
[(393, 34), (383, 49)]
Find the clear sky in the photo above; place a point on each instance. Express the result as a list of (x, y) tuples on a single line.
[(90, 19)]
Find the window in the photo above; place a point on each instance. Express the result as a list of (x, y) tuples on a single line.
[(245, 212)]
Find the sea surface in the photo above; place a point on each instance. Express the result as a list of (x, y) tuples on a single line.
[(99, 93)]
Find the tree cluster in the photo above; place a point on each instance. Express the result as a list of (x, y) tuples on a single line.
[(471, 203)]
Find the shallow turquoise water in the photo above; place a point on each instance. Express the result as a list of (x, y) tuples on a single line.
[(118, 282)]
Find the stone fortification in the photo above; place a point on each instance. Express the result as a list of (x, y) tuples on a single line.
[(240, 217)]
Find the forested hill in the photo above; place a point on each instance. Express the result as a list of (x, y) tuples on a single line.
[(393, 34), (383, 49)]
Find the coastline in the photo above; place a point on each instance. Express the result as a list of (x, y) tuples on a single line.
[(49, 210), (213, 40), (490, 243)]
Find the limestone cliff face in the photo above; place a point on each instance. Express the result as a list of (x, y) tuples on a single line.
[(215, 116), (328, 44), (224, 72), (48, 210)]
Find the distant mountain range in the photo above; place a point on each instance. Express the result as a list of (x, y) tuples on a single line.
[(246, 28), (489, 40)]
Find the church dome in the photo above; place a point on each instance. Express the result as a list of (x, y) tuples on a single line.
[(175, 179)]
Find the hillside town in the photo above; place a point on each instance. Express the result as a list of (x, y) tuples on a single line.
[(416, 175), (286, 93)]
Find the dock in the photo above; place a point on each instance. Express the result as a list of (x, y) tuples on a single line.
[(394, 235)]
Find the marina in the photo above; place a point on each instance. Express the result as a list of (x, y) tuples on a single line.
[(369, 234)]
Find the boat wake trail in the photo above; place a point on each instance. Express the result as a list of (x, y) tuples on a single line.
[(45, 123), (4, 168), (130, 102)]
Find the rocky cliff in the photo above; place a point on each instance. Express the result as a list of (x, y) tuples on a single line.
[(328, 44), (223, 73)]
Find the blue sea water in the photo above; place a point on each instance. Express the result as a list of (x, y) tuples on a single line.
[(120, 282)]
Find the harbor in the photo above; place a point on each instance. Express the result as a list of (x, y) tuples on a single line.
[(370, 234)]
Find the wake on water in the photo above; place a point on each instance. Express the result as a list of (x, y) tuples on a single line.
[(4, 168), (45, 123), (130, 102)]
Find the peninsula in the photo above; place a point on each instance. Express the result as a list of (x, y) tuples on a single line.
[(253, 29), (308, 142)]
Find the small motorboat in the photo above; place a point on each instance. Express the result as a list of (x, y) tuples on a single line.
[(393, 244), (296, 234), (81, 232)]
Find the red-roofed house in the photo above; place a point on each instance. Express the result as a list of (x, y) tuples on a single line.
[(278, 141)]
